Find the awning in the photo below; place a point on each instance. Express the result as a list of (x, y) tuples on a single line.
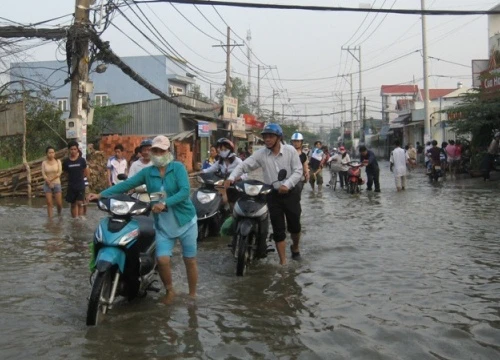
[(401, 119), (396, 126), (385, 130), (183, 135)]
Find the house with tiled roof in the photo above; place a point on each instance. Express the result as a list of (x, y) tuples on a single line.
[(403, 111)]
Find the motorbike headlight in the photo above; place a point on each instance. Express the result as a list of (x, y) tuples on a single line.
[(125, 239), (252, 190), (204, 197), (119, 207)]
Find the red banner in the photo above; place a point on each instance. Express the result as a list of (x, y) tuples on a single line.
[(252, 122)]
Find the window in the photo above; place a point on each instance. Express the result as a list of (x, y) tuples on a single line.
[(101, 100), (62, 104)]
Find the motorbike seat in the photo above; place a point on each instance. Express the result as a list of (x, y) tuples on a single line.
[(146, 232)]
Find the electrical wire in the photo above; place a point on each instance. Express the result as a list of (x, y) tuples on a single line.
[(324, 8)]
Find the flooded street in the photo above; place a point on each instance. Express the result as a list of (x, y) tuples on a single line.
[(410, 275)]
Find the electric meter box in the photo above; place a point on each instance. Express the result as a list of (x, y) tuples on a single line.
[(73, 128)]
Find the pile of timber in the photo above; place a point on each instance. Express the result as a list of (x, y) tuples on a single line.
[(13, 181)]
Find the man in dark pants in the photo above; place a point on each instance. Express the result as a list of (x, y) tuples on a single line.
[(284, 201), (369, 160)]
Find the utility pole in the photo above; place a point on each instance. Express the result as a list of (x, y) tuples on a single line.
[(258, 91), (249, 55), (228, 48), (283, 113), (274, 94), (261, 67), (427, 118), (358, 59), (80, 70)]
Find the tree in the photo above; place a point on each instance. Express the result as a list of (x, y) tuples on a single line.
[(43, 128), (106, 119), (198, 94), (477, 115), (239, 91)]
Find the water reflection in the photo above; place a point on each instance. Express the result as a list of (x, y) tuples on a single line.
[(410, 275)]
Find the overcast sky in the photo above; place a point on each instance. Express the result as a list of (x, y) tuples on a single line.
[(301, 44)]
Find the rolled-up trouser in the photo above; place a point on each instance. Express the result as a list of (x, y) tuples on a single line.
[(284, 211), (318, 178), (400, 181)]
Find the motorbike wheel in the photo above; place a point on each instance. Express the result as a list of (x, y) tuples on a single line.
[(351, 188), (203, 230), (245, 253), (99, 297)]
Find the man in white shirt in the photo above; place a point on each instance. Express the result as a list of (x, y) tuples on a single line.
[(398, 160), (117, 165), (144, 161)]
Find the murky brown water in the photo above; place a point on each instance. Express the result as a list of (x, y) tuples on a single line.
[(413, 275)]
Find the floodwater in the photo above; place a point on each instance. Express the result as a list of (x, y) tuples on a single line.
[(410, 275)]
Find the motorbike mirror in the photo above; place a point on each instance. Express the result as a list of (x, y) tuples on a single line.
[(122, 177), (281, 175)]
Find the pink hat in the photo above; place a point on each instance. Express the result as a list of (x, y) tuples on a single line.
[(161, 142)]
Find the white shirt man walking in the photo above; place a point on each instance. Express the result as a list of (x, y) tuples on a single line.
[(398, 160)]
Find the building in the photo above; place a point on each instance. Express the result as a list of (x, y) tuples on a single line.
[(403, 111), (166, 73)]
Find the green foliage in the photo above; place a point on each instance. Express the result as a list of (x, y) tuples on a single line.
[(43, 128), (106, 119), (198, 94), (478, 116), (239, 91)]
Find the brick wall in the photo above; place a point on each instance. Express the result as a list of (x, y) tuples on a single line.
[(130, 142)]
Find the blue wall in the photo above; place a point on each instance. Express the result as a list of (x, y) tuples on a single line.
[(119, 87)]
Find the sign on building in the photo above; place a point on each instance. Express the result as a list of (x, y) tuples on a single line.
[(230, 108), (252, 122), (203, 129), (12, 119)]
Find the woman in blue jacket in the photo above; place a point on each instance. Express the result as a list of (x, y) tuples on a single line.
[(179, 222)]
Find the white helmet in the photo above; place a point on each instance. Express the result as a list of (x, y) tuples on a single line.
[(297, 136)]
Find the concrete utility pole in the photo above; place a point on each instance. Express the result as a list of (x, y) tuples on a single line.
[(249, 55), (427, 118), (261, 67), (358, 59), (228, 48), (258, 91), (80, 70)]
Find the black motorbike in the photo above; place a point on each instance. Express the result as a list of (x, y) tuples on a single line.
[(210, 209), (251, 216)]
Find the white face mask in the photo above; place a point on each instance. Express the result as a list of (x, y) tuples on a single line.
[(224, 153), (162, 160)]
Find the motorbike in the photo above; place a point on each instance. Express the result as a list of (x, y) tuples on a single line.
[(210, 209), (123, 256), (354, 180), (435, 172), (251, 216)]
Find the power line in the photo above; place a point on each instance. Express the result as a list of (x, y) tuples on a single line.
[(324, 8), (111, 57)]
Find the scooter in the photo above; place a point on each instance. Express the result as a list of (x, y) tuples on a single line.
[(209, 206), (123, 259), (251, 216), (435, 172), (354, 180)]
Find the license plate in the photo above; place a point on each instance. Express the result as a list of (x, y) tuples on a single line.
[(437, 167)]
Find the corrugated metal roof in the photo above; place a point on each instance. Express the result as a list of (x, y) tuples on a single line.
[(150, 117)]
